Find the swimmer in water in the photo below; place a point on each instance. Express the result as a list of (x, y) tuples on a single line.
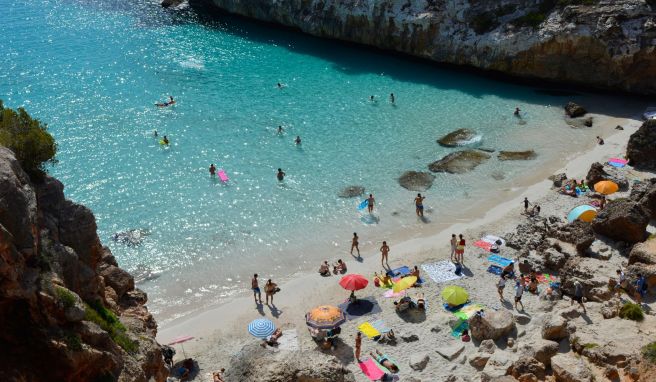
[(171, 100), (392, 98), (371, 99), (281, 175), (165, 104), (517, 111), (165, 140), (280, 130), (212, 169), (155, 133), (280, 86), (297, 140)]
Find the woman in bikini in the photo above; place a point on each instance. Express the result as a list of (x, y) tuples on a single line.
[(384, 361)]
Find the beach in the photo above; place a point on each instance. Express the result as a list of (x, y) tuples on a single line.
[(221, 332)]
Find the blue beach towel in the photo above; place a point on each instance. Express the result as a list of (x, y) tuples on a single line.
[(499, 260), (380, 326), (453, 308), (495, 270), (461, 327), (402, 272)]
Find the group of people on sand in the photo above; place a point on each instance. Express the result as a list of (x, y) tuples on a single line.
[(535, 211), (270, 288), (638, 288), (338, 267), (458, 249)]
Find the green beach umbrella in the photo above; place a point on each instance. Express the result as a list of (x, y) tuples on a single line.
[(454, 295)]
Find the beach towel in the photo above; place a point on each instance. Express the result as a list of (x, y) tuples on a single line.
[(483, 245), (368, 330), (371, 370), (461, 327), (499, 260), (383, 368), (495, 270), (468, 311), (493, 239), (362, 307), (441, 271), (380, 326), (400, 271), (391, 294), (453, 308), (289, 340)]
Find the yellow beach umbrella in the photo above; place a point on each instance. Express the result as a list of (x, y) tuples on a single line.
[(404, 283), (606, 187), (454, 295)]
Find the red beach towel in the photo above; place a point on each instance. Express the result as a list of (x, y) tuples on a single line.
[(371, 369), (483, 245)]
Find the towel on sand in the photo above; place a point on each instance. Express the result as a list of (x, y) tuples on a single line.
[(483, 245), (391, 294), (368, 330), (380, 326), (363, 306), (371, 370), (441, 271), (289, 340), (461, 327), (499, 260), (495, 270), (467, 311)]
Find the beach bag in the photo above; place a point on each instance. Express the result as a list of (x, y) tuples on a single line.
[(458, 269), (377, 282), (276, 290)]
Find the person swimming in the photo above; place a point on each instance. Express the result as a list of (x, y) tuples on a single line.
[(155, 133), (297, 140), (280, 130), (371, 99), (170, 102), (165, 140), (517, 111), (281, 175), (212, 169)]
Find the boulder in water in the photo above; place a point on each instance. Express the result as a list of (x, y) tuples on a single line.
[(640, 149), (517, 155), (351, 192), (573, 110), (457, 138), (416, 180), (131, 237), (459, 162)]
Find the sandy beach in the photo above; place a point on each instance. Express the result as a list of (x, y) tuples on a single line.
[(220, 332)]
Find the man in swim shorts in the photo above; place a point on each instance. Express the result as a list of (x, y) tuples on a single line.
[(280, 130), (419, 204), (212, 169), (256, 289), (370, 205), (297, 140), (281, 175)]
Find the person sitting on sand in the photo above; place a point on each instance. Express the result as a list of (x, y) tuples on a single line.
[(533, 283), (415, 272), (421, 302), (272, 340), (324, 269), (185, 369), (386, 279), (509, 270), (383, 360), (403, 304), (217, 376), (339, 267), (600, 141), (352, 299)]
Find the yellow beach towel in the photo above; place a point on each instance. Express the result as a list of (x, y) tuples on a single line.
[(368, 330)]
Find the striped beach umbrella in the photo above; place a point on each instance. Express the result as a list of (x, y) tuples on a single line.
[(261, 328)]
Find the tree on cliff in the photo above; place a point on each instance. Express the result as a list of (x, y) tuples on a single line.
[(28, 138)]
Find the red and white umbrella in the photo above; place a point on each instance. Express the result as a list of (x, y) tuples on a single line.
[(180, 340)]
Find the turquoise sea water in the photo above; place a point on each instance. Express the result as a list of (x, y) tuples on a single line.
[(93, 70)]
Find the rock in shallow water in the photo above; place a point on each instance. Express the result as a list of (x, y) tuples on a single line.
[(416, 181), (517, 155), (573, 110), (351, 192), (459, 162), (457, 138)]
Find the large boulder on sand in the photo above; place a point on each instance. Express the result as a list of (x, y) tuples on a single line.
[(351, 192), (642, 259), (459, 162), (644, 193), (416, 181), (574, 111), (622, 220), (599, 172), (492, 325), (554, 328), (577, 233), (517, 155), (540, 349), (569, 368), (640, 149), (457, 138), (528, 365)]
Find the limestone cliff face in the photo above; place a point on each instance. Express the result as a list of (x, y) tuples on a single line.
[(599, 43), (67, 312)]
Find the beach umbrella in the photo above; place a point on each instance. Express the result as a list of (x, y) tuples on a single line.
[(606, 187), (325, 317), (454, 295), (584, 212), (404, 283), (180, 340), (353, 282), (261, 328)]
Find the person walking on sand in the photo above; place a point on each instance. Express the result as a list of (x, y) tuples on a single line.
[(370, 203), (526, 204), (354, 243), (641, 288), (358, 346), (460, 250), (578, 295), (519, 291), (454, 243), (256, 289), (384, 251), (501, 285), (419, 204), (270, 289)]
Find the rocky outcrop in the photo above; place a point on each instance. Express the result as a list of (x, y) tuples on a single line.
[(642, 259), (351, 192), (456, 138), (568, 368), (599, 172), (622, 220), (517, 155), (171, 3), (416, 180), (256, 364), (644, 193), (459, 162), (525, 38), (68, 312), (528, 365), (492, 325), (640, 149), (574, 110)]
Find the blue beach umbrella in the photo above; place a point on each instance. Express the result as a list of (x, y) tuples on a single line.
[(584, 212), (261, 328)]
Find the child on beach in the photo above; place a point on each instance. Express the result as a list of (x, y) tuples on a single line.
[(354, 243)]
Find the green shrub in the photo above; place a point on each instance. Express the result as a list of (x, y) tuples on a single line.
[(97, 313), (590, 345), (28, 138), (484, 22), (649, 352), (73, 341), (65, 296), (631, 311)]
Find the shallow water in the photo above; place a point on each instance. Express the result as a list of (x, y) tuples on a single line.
[(93, 71)]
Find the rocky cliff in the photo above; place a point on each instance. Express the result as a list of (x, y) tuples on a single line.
[(599, 43), (67, 311)]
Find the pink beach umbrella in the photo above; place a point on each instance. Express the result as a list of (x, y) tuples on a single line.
[(180, 340)]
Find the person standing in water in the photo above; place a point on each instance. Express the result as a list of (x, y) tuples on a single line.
[(354, 243), (517, 111), (384, 251), (165, 140), (372, 99), (392, 98), (281, 175), (256, 289), (280, 130), (297, 140), (370, 203), (212, 169), (155, 133), (419, 205), (526, 204)]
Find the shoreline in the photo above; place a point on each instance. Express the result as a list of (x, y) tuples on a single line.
[(224, 323)]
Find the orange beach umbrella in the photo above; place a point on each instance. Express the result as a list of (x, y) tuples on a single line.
[(606, 187), (325, 317)]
